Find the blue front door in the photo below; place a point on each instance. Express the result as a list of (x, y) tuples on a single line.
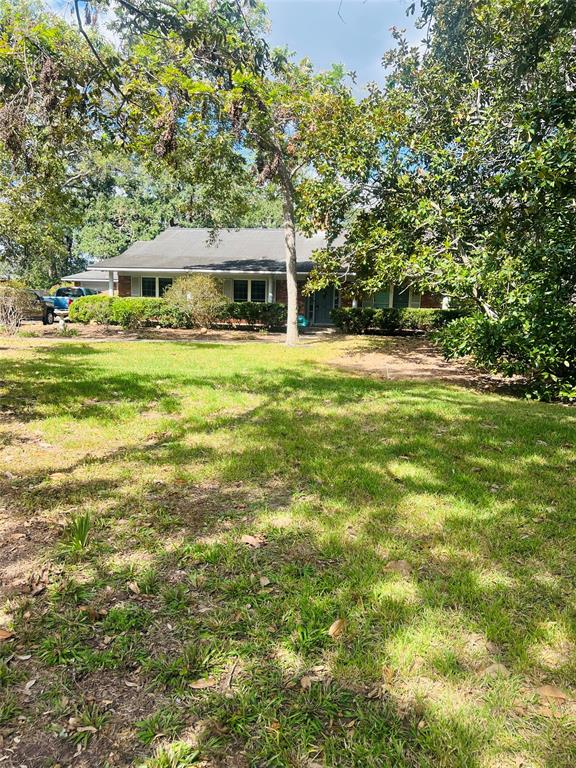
[(323, 306)]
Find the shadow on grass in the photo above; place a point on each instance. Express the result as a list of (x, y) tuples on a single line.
[(340, 476)]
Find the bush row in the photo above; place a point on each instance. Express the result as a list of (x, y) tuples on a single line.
[(140, 312), (364, 319)]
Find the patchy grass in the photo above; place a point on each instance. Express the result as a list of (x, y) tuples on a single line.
[(183, 525)]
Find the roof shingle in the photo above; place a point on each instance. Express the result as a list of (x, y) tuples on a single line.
[(240, 250)]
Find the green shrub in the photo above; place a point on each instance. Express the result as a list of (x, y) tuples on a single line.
[(133, 312), (199, 298), (364, 319), (128, 312), (138, 312), (538, 346), (96, 309), (268, 314)]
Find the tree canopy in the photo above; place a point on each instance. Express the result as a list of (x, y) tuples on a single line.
[(465, 182)]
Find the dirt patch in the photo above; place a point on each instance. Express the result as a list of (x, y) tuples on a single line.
[(93, 332), (414, 359)]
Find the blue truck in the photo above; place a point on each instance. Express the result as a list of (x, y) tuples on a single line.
[(65, 296)]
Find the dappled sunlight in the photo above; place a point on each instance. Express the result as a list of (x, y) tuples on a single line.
[(397, 590), (243, 502)]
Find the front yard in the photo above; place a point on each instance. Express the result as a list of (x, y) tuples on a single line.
[(240, 555)]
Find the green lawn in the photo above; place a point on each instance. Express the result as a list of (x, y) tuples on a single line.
[(134, 470)]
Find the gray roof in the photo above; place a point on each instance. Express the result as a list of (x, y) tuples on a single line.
[(90, 276), (237, 250)]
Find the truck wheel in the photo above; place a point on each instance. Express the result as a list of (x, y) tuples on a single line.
[(49, 318)]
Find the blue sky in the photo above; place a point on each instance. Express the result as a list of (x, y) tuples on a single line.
[(355, 33), (357, 38)]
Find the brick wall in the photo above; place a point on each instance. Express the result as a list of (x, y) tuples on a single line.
[(124, 285), (431, 301), (282, 294)]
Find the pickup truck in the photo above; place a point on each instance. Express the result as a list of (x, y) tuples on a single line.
[(65, 296)]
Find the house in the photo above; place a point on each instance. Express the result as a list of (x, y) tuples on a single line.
[(250, 263), (95, 279)]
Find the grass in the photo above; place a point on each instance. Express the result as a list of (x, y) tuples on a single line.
[(207, 512)]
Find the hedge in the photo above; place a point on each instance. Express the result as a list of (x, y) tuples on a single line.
[(364, 319), (140, 312), (268, 314)]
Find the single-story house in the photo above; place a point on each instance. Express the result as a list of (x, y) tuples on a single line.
[(95, 279), (250, 263)]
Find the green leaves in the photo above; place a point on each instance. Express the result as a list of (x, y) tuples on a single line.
[(471, 192)]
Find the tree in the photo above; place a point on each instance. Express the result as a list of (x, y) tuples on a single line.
[(49, 82), (471, 190), (132, 202), (198, 87)]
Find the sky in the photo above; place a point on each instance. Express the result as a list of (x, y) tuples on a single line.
[(355, 33)]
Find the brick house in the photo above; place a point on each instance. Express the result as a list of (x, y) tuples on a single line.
[(250, 263)]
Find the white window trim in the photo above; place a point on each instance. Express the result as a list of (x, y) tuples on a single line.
[(157, 279), (267, 290)]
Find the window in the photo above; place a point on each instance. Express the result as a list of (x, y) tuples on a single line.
[(258, 290), (149, 286), (73, 292), (163, 284), (250, 290), (401, 296), (240, 290), (382, 299)]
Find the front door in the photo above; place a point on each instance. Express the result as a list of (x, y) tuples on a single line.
[(323, 306)]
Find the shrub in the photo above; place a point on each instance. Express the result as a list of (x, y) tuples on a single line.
[(539, 346), (364, 319), (95, 309), (15, 303), (128, 312), (198, 297), (139, 312), (268, 314)]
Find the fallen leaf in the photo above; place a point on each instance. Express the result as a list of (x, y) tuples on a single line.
[(264, 581), (497, 670), (253, 541), (402, 567), (205, 682), (337, 628), (130, 684), (87, 729), (25, 657), (133, 587), (306, 683), (29, 685), (553, 693), (5, 634)]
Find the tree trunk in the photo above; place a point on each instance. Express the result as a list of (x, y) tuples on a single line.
[(290, 252)]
